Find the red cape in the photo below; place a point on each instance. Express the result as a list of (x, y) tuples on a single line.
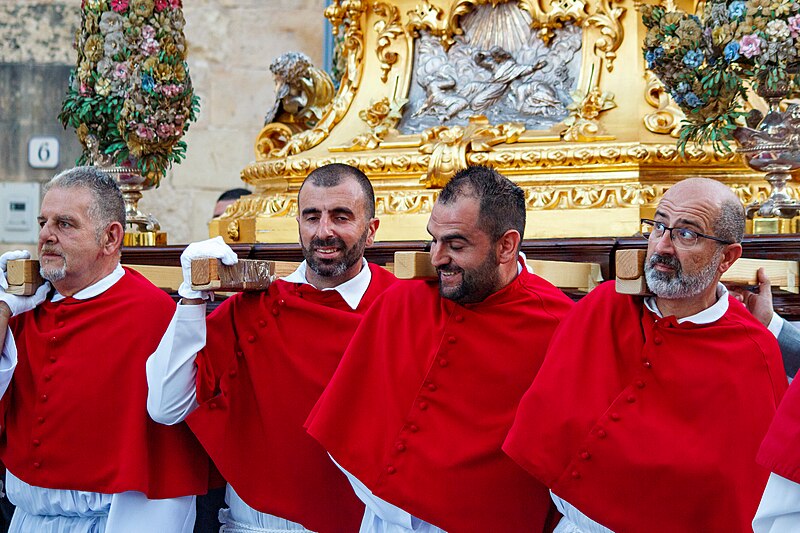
[(647, 425), (424, 397), (780, 452), (76, 410), (267, 359)]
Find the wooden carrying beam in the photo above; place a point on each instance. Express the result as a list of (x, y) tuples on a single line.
[(630, 273), (23, 277), (210, 274), (562, 274)]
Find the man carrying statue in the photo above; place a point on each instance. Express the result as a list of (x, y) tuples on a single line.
[(81, 452)]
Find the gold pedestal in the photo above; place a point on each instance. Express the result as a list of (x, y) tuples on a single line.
[(592, 172), (147, 238), (772, 225)]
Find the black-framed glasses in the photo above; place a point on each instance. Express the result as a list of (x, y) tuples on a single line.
[(681, 237)]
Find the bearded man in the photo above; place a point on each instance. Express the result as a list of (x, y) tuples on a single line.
[(246, 378), (648, 412), (418, 409), (82, 453)]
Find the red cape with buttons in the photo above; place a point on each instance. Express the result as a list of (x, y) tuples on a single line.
[(76, 410), (646, 425), (267, 359), (425, 395)]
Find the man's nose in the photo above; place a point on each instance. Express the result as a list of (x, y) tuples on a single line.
[(325, 228), (438, 256), (664, 243)]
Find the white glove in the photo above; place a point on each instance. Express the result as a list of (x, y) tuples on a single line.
[(216, 248), (19, 304)]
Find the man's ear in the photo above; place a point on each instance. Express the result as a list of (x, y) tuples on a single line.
[(372, 228), (112, 238), (730, 254), (507, 246)]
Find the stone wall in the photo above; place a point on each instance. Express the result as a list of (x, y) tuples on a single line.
[(231, 44)]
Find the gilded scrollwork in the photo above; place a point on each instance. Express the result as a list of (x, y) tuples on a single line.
[(404, 203), (584, 111), (667, 117), (426, 16), (380, 117), (448, 146), (388, 29)]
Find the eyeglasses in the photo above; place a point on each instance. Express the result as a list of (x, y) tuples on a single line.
[(681, 237)]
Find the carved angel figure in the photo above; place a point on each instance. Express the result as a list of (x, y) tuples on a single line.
[(301, 91)]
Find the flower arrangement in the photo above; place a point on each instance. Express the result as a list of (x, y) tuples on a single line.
[(708, 64), (130, 98)]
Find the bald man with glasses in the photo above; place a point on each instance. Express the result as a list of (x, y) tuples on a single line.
[(647, 413)]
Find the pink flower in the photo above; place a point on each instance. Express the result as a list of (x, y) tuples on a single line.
[(750, 45), (148, 32), (121, 71), (143, 132), (175, 4), (166, 130), (84, 89), (119, 5), (794, 25), (161, 5), (150, 47)]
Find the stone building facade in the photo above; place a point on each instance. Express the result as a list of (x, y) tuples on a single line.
[(231, 45)]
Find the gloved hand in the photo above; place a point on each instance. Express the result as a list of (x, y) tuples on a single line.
[(19, 304), (216, 248)]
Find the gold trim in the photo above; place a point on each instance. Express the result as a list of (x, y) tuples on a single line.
[(666, 120), (388, 29)]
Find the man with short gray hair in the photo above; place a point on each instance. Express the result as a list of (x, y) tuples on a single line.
[(80, 450)]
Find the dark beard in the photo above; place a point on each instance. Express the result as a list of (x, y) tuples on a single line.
[(476, 284), (332, 268)]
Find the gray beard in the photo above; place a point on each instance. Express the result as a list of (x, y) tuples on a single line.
[(56, 274), (678, 284)]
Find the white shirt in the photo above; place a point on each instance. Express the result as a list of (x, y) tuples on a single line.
[(128, 512), (574, 520)]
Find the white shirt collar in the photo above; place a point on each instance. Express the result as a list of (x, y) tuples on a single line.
[(706, 316), (351, 291), (96, 288)]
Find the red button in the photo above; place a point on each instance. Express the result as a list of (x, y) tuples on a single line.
[(53, 359), (53, 340), (239, 354), (400, 447), (282, 302), (575, 474), (48, 377), (390, 470), (262, 323), (37, 465), (640, 384), (412, 428), (601, 434), (586, 456), (443, 362), (631, 398), (423, 405), (432, 387), (36, 442), (60, 324), (647, 364), (232, 373), (212, 405), (451, 340), (251, 339), (459, 318), (40, 420), (615, 417), (44, 397), (658, 340), (275, 311)]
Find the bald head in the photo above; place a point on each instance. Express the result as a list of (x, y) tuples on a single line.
[(725, 209)]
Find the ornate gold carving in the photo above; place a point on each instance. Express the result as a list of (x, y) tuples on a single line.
[(608, 20), (405, 203), (667, 117), (233, 230), (345, 14), (426, 16), (388, 29), (448, 146), (381, 118), (582, 124)]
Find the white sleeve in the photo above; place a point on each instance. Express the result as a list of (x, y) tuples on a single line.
[(8, 362), (171, 369), (775, 324), (779, 510)]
